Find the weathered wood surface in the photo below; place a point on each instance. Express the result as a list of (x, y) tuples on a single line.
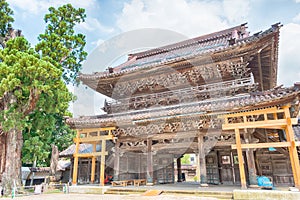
[(265, 42), (181, 96)]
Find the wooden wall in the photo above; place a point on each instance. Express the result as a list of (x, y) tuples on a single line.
[(134, 166), (275, 165)]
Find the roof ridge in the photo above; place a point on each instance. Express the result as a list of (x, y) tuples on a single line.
[(188, 42)]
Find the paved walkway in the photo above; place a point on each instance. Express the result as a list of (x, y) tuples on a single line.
[(105, 197)]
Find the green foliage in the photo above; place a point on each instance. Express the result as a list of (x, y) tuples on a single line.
[(61, 43), (5, 17), (48, 129), (62, 135), (186, 159), (35, 150), (28, 84), (64, 49), (33, 81)]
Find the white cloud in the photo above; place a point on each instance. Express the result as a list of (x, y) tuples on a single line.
[(236, 11), (297, 1), (92, 24), (297, 17), (38, 6), (289, 62), (182, 16), (98, 42), (191, 18)]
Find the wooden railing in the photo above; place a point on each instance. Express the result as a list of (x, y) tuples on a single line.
[(186, 95)]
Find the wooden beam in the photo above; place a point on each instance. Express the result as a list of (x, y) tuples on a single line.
[(178, 146), (90, 155), (263, 145), (93, 139), (268, 124), (240, 157), (181, 134), (162, 136), (255, 112), (91, 130)]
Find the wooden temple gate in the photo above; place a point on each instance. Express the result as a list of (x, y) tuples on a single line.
[(183, 101), (269, 118), (92, 136)]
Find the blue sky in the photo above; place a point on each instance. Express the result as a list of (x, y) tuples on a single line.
[(106, 19)]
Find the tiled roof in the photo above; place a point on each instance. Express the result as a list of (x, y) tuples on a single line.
[(210, 106), (185, 50), (237, 32)]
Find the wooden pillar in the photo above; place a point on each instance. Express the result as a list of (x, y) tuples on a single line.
[(149, 162), (179, 171), (250, 162), (202, 162), (102, 165), (93, 164), (75, 169), (117, 161), (198, 167), (240, 157), (292, 149)]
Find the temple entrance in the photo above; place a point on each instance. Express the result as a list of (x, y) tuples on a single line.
[(229, 168)]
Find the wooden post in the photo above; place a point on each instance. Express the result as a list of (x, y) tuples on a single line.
[(250, 162), (240, 157), (149, 162), (75, 169), (102, 166), (93, 164), (117, 161), (292, 149), (202, 162), (198, 167), (179, 171)]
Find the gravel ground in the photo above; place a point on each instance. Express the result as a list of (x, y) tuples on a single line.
[(105, 197)]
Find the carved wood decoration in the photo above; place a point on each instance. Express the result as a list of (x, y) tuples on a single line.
[(168, 79), (174, 107), (182, 96), (184, 125)]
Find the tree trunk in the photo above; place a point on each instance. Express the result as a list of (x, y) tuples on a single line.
[(54, 160), (2, 154), (12, 171)]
